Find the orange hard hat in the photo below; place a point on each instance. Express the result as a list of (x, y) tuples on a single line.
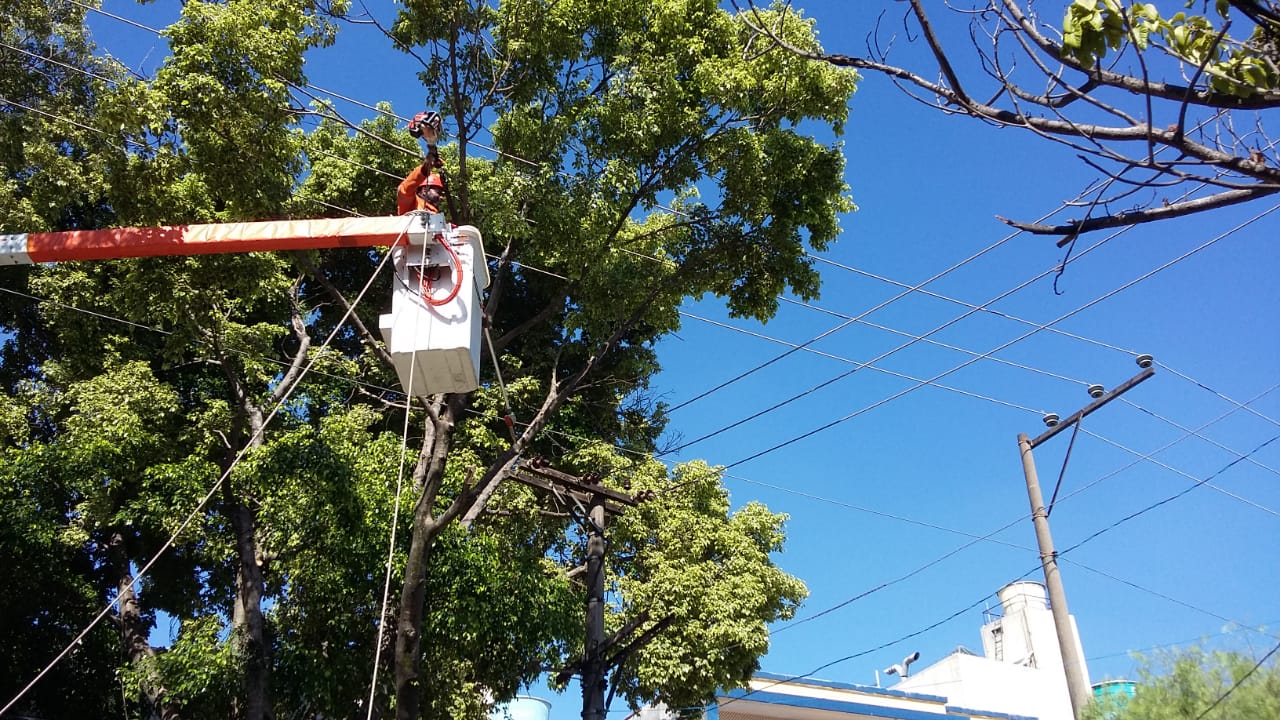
[(433, 180)]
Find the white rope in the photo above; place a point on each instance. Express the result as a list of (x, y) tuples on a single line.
[(395, 512), (257, 435)]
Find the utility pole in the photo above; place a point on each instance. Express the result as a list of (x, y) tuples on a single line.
[(590, 503), (1077, 683), (593, 669)]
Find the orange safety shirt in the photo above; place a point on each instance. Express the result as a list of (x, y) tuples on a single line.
[(407, 194)]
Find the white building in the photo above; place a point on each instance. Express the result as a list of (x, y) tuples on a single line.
[(1021, 669), (776, 697), (1019, 677)]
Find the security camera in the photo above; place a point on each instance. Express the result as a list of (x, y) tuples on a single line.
[(1096, 391), (1144, 361), (1050, 419)]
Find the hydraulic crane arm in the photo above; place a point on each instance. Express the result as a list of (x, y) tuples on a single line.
[(25, 249)]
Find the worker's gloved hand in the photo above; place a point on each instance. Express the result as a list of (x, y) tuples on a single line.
[(426, 125)]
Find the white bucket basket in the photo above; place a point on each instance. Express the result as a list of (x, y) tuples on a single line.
[(435, 343)]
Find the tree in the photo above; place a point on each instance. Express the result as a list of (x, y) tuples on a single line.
[(614, 121), (610, 142), (1195, 684), (1170, 110)]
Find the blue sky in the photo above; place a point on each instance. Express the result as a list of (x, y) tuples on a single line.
[(879, 498)]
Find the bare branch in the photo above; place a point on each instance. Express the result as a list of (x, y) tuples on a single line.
[(1217, 157), (285, 386), (1136, 217)]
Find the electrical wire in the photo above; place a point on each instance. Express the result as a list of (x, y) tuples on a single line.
[(1162, 646), (887, 515), (1078, 310), (1238, 683), (124, 20), (69, 121), (972, 310), (59, 63), (903, 346), (1217, 394), (848, 322), (909, 289), (1169, 499), (1014, 318), (857, 366), (940, 344), (1205, 438), (1162, 596), (1189, 476), (1175, 441)]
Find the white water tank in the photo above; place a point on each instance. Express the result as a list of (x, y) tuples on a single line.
[(523, 707), (433, 329), (1023, 594)]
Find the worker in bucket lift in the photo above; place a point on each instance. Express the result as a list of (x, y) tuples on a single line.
[(422, 188)]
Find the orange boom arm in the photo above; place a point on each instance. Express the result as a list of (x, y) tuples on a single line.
[(24, 249)]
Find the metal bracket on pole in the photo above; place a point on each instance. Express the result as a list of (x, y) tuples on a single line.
[(1120, 389)]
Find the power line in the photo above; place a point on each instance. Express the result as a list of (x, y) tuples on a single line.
[(57, 62), (848, 322), (919, 287), (69, 121), (983, 308), (1179, 643), (940, 344), (1205, 438), (124, 20), (883, 514), (1161, 595), (1169, 499), (909, 343), (1218, 394), (1189, 476), (1239, 682), (941, 375), (1166, 446), (819, 386)]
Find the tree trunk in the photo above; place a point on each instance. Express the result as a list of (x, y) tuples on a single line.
[(133, 633), (428, 475), (248, 625), (248, 622), (408, 655)]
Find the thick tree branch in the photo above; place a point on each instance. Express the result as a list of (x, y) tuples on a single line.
[(1136, 217), (554, 305), (299, 326), (305, 262)]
